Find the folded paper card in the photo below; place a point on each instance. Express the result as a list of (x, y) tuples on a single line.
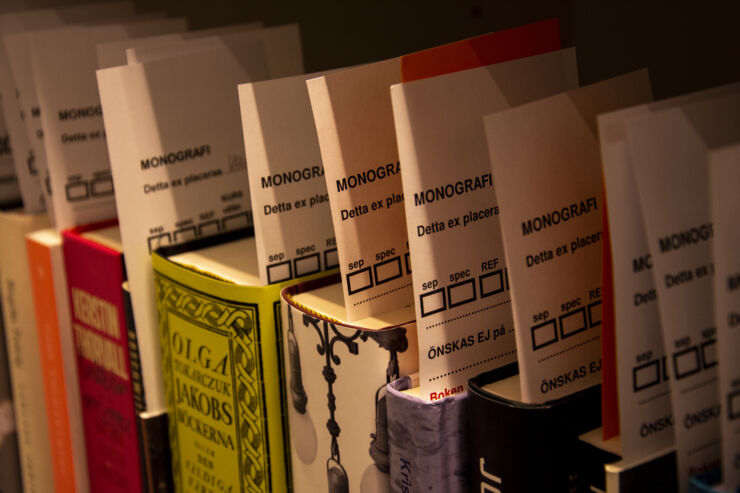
[(546, 167)]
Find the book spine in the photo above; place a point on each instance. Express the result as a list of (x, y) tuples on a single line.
[(502, 433), (156, 459), (10, 465), (95, 275), (137, 380), (154, 445), (54, 384), (29, 401), (215, 370), (428, 442), (337, 376)]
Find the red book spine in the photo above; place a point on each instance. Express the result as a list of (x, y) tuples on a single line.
[(94, 277)]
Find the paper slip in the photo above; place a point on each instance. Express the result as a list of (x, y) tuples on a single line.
[(645, 412), (724, 175), (669, 152), (460, 278), (286, 180), (11, 125), (64, 62), (547, 170), (16, 80), (31, 175), (282, 45), (177, 158), (10, 193), (354, 122), (113, 53), (24, 163)]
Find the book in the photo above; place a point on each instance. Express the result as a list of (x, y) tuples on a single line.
[(58, 360), (517, 446), (24, 350), (9, 457), (428, 441), (610, 472), (95, 271), (222, 365), (337, 373), (547, 170), (152, 427)]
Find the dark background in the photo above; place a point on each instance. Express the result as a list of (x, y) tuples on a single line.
[(686, 45)]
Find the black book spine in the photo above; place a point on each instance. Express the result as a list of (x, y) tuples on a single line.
[(528, 448), (154, 444), (155, 453)]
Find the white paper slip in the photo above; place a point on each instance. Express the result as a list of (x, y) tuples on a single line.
[(282, 45), (459, 270), (23, 158), (177, 158), (64, 61), (645, 412), (286, 180), (113, 53), (669, 151), (546, 167), (23, 84), (354, 122), (21, 108), (10, 193), (724, 177)]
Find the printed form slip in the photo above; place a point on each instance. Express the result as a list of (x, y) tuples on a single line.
[(546, 167), (461, 294), (354, 122), (646, 419), (286, 180), (669, 151), (11, 93), (15, 117), (64, 61), (23, 84), (177, 157), (724, 175)]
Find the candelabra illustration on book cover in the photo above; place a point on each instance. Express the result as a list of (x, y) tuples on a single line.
[(337, 376)]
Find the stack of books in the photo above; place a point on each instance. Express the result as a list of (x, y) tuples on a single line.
[(454, 270)]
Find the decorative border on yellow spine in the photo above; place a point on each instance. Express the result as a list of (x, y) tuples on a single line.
[(238, 323)]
